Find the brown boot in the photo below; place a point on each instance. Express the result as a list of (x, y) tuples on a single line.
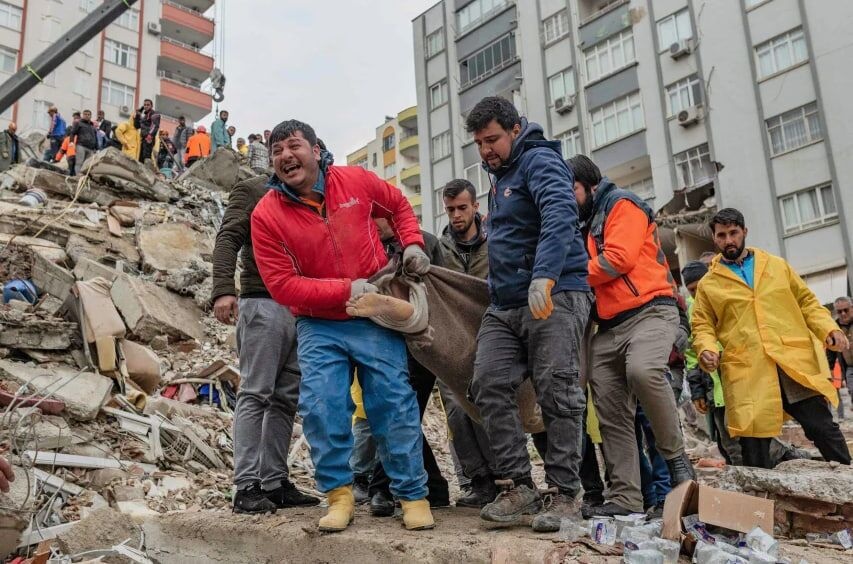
[(341, 510), (512, 502)]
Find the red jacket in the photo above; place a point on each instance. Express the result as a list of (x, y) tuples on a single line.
[(308, 261)]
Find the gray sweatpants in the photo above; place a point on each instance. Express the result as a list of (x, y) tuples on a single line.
[(553, 359), (269, 392)]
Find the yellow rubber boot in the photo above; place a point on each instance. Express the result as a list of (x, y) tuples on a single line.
[(416, 515), (341, 510)]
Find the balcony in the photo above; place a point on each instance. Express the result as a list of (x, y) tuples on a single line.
[(180, 59), (182, 97), (408, 118), (186, 25), (408, 146), (411, 176), (195, 5)]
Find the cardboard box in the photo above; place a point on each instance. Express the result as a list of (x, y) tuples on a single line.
[(730, 510)]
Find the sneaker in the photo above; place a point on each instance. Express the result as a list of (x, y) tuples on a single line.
[(286, 495), (559, 506), (512, 502), (483, 491), (609, 509), (382, 504), (360, 486), (252, 500)]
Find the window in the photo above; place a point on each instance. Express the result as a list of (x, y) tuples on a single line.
[(374, 160), (437, 94), (82, 80), (41, 119), (570, 143), (388, 142), (476, 175), (477, 12), (673, 29), (390, 170), (809, 208), (683, 94), (794, 129), (361, 162), (617, 119), (610, 55), (129, 19), (435, 43), (89, 5), (441, 146), (117, 94), (694, 167), (561, 85), (643, 188), (120, 54), (10, 16), (487, 61), (781, 53), (753, 3), (8, 60), (556, 26)]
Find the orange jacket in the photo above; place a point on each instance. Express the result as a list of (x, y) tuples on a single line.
[(67, 149), (198, 146), (631, 269)]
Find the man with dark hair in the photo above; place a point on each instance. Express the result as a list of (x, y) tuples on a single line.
[(314, 255), (55, 133), (219, 135), (86, 140), (638, 320), (105, 126), (844, 310), (258, 155), (181, 136), (149, 126), (540, 304), (773, 331)]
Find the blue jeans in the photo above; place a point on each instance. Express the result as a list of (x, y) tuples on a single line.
[(328, 350), (654, 473)]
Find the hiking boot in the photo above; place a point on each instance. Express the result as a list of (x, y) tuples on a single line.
[(360, 486), (608, 509), (655, 512), (341, 510), (416, 515), (286, 495), (560, 506), (252, 500), (438, 500), (382, 504), (680, 469), (512, 502), (483, 491)]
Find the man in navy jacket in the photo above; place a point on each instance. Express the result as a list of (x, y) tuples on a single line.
[(540, 304)]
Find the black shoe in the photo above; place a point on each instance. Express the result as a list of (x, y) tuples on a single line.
[(608, 509), (680, 469), (655, 511), (360, 486), (252, 500), (286, 495), (382, 504), (483, 491), (439, 499)]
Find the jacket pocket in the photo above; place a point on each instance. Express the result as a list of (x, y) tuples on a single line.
[(631, 285), (799, 342), (568, 396)]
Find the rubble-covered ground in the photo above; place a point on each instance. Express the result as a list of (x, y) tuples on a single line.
[(117, 385)]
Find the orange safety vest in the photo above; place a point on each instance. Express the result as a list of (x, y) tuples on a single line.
[(198, 146), (68, 148)]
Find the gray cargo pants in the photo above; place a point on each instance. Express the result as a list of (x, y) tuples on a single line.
[(269, 392), (629, 364), (467, 437), (553, 357)]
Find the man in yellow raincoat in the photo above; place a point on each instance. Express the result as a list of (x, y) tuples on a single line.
[(773, 331)]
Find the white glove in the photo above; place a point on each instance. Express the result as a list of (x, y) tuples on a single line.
[(415, 260), (362, 286)]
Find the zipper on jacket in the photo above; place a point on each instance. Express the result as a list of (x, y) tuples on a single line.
[(338, 254), (631, 285)]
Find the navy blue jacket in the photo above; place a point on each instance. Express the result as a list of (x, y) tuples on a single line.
[(533, 222)]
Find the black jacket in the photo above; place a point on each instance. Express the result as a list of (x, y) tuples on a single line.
[(87, 135)]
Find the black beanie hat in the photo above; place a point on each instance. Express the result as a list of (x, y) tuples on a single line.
[(693, 271)]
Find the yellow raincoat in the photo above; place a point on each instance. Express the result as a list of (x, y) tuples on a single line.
[(128, 136), (778, 322)]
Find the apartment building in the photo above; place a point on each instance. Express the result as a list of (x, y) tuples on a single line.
[(154, 50), (694, 105), (393, 154)]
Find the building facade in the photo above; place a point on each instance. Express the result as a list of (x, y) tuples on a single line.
[(393, 154), (154, 50), (693, 105)]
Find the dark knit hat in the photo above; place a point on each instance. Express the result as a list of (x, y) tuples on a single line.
[(693, 271)]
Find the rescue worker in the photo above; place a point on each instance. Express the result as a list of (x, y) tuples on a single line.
[(10, 147), (219, 132), (316, 245), (540, 304), (773, 331), (198, 145), (148, 122), (638, 320), (128, 135)]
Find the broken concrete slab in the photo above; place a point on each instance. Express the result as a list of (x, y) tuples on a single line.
[(60, 184), (822, 481), (30, 332), (101, 529), (126, 212), (13, 512), (86, 269), (143, 365), (51, 278), (126, 176), (100, 317), (149, 310), (220, 171), (82, 392), (48, 249), (171, 246)]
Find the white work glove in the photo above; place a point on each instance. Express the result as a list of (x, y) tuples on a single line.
[(362, 286), (415, 260), (539, 298)]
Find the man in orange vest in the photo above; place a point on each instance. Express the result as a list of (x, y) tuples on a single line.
[(198, 146)]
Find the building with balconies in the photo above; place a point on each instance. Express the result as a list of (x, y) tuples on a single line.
[(154, 50), (393, 155), (693, 105)]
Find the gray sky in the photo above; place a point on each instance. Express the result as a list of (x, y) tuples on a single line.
[(338, 65)]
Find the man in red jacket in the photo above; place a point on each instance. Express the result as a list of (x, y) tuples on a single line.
[(316, 244)]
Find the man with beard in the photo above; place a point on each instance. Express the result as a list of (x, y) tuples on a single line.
[(637, 315), (219, 135), (773, 331), (148, 125), (540, 304)]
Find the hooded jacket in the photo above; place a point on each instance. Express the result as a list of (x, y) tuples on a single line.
[(128, 135), (219, 135), (533, 222), (307, 257), (470, 258)]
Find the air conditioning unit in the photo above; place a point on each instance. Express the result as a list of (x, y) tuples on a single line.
[(154, 28), (564, 105), (124, 111), (688, 117), (681, 48)]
